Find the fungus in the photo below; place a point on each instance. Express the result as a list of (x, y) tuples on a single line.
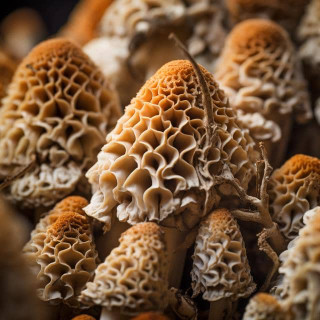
[(133, 278), (150, 316), (294, 189), (259, 72), (58, 110), (286, 13), (18, 292), (263, 306), (67, 259), (220, 266), (83, 317), (83, 22)]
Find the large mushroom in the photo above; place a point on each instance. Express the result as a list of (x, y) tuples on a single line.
[(133, 278), (220, 266), (260, 73), (294, 189), (54, 121)]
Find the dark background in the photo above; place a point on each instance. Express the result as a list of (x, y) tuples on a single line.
[(54, 12)]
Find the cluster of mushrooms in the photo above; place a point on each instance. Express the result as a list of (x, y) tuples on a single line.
[(159, 159)]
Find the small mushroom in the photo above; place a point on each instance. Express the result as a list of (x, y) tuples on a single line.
[(66, 258), (133, 278), (150, 316), (260, 73), (286, 13), (56, 115), (18, 291), (83, 22), (301, 273), (263, 306), (220, 266), (294, 189)]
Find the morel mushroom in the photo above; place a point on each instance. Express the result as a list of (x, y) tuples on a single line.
[(220, 266), (150, 316), (286, 13), (56, 115), (67, 260), (18, 292), (263, 306), (133, 278), (83, 317), (294, 189), (301, 272), (84, 20), (260, 73)]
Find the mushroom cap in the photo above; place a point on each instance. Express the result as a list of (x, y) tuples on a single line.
[(150, 316), (294, 189), (83, 22), (59, 108), (149, 168), (301, 272), (67, 260), (287, 13), (133, 278), (83, 317), (71, 203), (263, 306), (220, 265)]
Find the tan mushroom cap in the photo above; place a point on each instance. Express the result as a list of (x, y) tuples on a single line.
[(294, 189), (71, 203), (133, 278), (149, 168), (287, 13), (150, 316), (263, 306), (83, 317), (67, 260), (59, 108), (220, 265), (83, 22)]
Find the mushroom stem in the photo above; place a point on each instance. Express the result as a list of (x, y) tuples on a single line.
[(112, 315), (176, 254), (106, 242), (220, 309)]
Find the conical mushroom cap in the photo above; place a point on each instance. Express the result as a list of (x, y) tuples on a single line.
[(263, 306), (220, 265), (294, 189), (133, 278), (159, 164), (58, 109), (67, 260)]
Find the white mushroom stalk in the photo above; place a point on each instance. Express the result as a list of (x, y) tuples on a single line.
[(220, 266), (133, 278)]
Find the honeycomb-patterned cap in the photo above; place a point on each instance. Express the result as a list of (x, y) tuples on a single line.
[(263, 306), (67, 260), (83, 22), (58, 109), (133, 278), (150, 316), (301, 272), (220, 265), (287, 13), (159, 164), (294, 189), (260, 73)]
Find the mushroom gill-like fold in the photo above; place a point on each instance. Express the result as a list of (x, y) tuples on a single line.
[(159, 164), (58, 110), (301, 272), (286, 13), (220, 265), (259, 71), (18, 292), (309, 36), (67, 260), (263, 306), (84, 20), (133, 278), (294, 189)]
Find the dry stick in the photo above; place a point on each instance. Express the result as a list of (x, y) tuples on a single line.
[(21, 173)]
